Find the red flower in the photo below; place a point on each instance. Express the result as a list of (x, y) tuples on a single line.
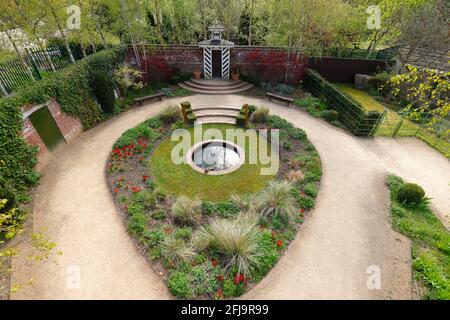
[(136, 189), (219, 293), (245, 282), (241, 278), (214, 262), (141, 159), (302, 211), (220, 277), (116, 190), (145, 178), (279, 243), (236, 279)]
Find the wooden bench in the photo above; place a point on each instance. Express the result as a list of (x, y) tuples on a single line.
[(277, 96), (152, 96)]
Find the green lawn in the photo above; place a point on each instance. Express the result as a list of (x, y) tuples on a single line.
[(392, 120), (183, 180)]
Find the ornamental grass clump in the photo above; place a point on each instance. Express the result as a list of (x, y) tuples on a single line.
[(276, 201), (176, 250), (187, 211), (235, 240)]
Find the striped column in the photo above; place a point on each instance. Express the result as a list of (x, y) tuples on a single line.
[(225, 63), (207, 63)]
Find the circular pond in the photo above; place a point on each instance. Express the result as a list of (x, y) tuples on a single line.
[(215, 157)]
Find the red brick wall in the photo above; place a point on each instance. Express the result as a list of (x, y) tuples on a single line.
[(276, 65), (69, 126), (260, 63), (31, 137)]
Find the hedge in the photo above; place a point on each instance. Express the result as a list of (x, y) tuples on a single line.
[(351, 113), (72, 88)]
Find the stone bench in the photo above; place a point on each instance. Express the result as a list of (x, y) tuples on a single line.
[(140, 100), (277, 96)]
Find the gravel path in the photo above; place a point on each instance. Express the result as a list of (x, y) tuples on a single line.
[(347, 232)]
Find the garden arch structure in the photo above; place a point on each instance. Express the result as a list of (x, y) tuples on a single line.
[(216, 54)]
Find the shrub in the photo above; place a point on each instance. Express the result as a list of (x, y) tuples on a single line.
[(176, 250), (235, 240), (230, 289), (203, 279), (226, 208), (145, 198), (312, 176), (306, 202), (268, 257), (183, 233), (410, 193), (266, 86), (260, 115), (178, 284), (152, 238), (159, 214), (310, 189), (187, 211), (284, 89), (331, 115), (137, 223), (170, 115), (276, 201), (154, 122)]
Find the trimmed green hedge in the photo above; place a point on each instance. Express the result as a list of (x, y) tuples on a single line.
[(72, 88)]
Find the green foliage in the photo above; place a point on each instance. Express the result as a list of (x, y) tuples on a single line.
[(260, 115), (131, 136), (151, 238), (171, 115), (331, 115), (431, 242), (203, 279), (137, 223), (304, 201), (187, 211), (183, 233), (284, 89), (410, 193), (230, 289), (72, 88), (310, 189), (224, 209), (268, 257), (104, 91), (178, 284), (11, 219)]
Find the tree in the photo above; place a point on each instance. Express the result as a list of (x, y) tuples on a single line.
[(28, 16), (427, 92)]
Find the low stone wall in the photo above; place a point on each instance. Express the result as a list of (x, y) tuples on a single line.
[(69, 126)]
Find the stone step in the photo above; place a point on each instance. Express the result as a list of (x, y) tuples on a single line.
[(215, 82), (213, 91), (215, 88), (216, 119), (230, 108), (216, 112)]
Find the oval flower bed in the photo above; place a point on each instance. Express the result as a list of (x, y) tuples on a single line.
[(204, 246)]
